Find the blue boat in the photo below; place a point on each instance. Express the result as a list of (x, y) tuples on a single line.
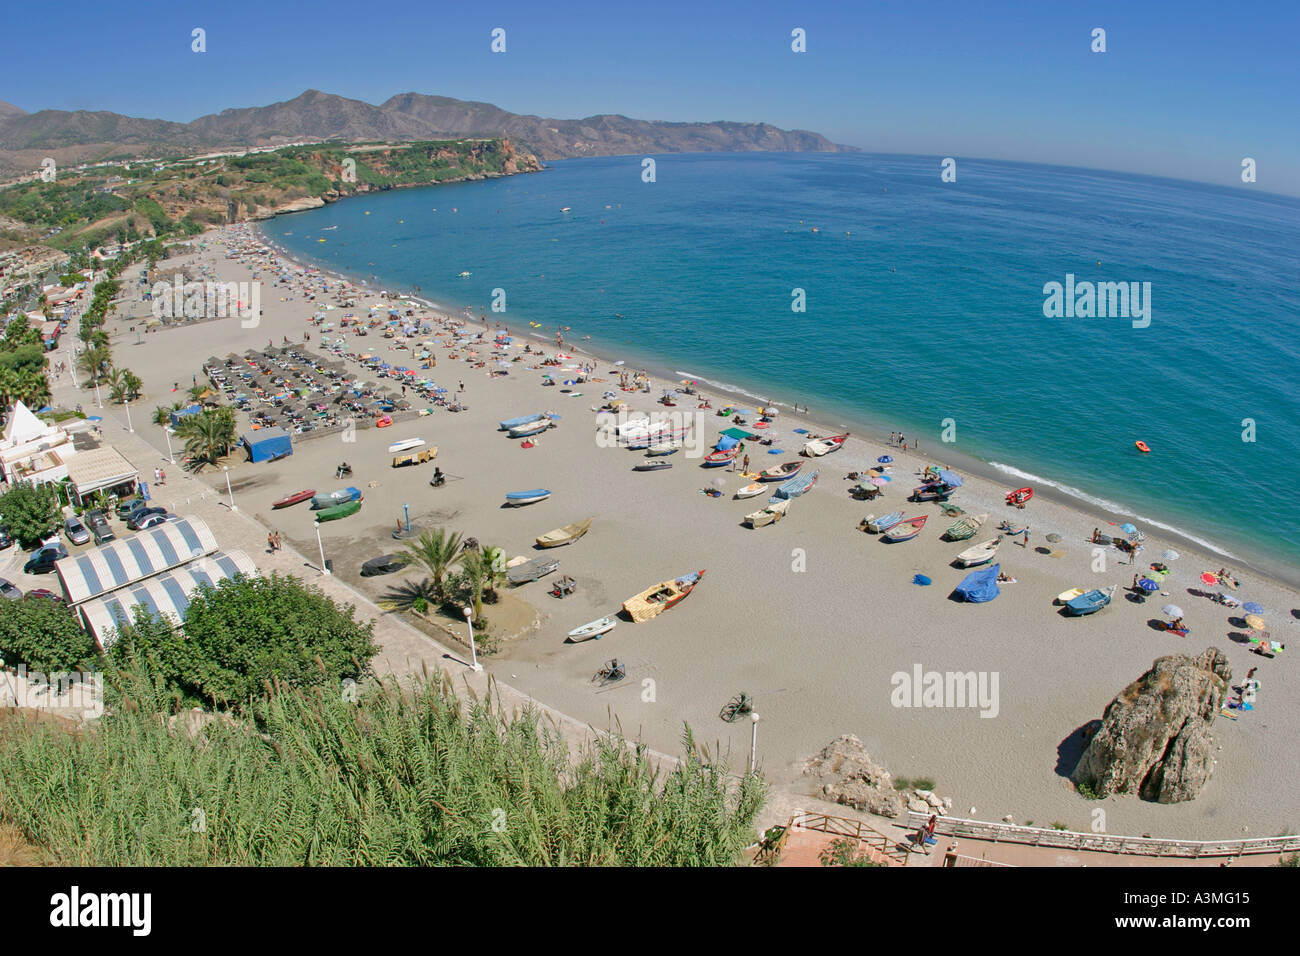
[(530, 429), (795, 487), (510, 423), (517, 498), (980, 586), (1089, 603), (884, 522), (332, 498)]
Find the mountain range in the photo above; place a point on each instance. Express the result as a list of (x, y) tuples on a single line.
[(82, 135)]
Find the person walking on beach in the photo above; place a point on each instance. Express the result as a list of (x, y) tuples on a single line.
[(278, 543), (745, 466), (162, 476), (270, 542), (1133, 553), (157, 476), (1025, 543)]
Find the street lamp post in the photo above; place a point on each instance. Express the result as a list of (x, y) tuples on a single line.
[(320, 544), (129, 426), (170, 456), (753, 742), (473, 653), (229, 491)]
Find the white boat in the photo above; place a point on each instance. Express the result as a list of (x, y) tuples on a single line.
[(406, 444), (980, 554), (465, 275), (769, 515), (749, 491), (594, 629)]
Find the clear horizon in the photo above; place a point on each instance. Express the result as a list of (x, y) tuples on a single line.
[(1188, 96)]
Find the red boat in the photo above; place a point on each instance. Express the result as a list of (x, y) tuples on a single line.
[(295, 498), (1019, 496), (720, 458)]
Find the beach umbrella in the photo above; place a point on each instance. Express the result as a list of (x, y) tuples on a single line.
[(950, 478), (1128, 528), (877, 480), (1170, 555), (884, 459), (1209, 578), (1146, 584), (1253, 607), (1053, 537), (1173, 610), (1255, 622)]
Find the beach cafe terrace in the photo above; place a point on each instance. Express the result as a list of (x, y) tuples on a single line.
[(127, 560), (166, 595), (100, 469)]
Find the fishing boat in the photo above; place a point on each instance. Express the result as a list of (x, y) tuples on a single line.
[(907, 529), (533, 428), (980, 586), (566, 535), (510, 423), (294, 498), (406, 444), (415, 457), (516, 498), (384, 421), (331, 498), (1065, 597), (714, 459), (663, 448), (339, 511), (931, 491), (796, 486), (596, 629), (653, 601), (965, 527), (824, 446), (1089, 603), (781, 472), (653, 466), (656, 437), (1142, 446), (770, 515), (979, 554), (883, 523), (1019, 496), (531, 570), (750, 490)]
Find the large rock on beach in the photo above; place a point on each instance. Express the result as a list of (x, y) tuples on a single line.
[(1155, 738), (849, 776)]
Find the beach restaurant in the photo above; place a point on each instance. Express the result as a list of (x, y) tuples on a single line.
[(100, 469)]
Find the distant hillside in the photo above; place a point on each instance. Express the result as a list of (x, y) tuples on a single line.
[(84, 136)]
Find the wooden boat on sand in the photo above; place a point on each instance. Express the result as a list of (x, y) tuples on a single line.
[(769, 515), (653, 466), (796, 486), (406, 444), (1065, 597), (752, 489), (965, 527), (295, 498), (781, 472), (714, 459), (653, 601), (566, 535), (517, 498), (595, 629), (907, 529), (331, 498), (1089, 603), (979, 554), (531, 570), (824, 446), (883, 523), (339, 511)]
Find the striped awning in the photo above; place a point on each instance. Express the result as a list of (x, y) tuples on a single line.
[(165, 595), (127, 560)]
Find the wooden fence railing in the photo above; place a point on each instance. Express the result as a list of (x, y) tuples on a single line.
[(1103, 842), (770, 850)]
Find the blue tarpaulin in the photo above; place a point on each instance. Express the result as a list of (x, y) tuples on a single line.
[(180, 413), (980, 586), (267, 443), (950, 478), (726, 443)]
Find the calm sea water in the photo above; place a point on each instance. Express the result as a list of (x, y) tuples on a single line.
[(924, 303)]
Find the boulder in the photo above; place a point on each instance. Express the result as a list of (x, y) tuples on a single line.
[(1155, 738), (847, 775)]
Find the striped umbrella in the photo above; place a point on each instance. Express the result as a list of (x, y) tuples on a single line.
[(1146, 584), (884, 459)]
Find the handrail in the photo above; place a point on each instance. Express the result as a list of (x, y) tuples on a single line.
[(1103, 842)]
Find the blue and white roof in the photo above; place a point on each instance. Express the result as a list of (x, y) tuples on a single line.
[(143, 554), (166, 594)]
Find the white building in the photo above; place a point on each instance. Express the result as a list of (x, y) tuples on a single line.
[(31, 450)]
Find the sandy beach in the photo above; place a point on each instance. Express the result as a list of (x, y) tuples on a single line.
[(811, 616)]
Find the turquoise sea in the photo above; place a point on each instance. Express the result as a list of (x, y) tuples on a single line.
[(924, 303)]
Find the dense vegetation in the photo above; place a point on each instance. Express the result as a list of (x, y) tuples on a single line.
[(383, 778), (30, 512), (43, 635)]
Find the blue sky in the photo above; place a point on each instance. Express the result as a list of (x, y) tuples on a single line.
[(1185, 89)]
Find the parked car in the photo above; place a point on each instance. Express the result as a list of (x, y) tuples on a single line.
[(8, 590), (99, 526), (139, 516), (76, 530), (128, 505), (145, 522), (43, 558), (5, 540), (45, 593)]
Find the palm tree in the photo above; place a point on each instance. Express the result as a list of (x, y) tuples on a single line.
[(162, 415), (94, 362), (477, 569), (437, 551), (208, 436), (494, 559)]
